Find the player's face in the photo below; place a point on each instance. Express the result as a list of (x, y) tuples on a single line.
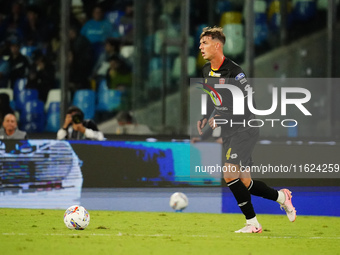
[(208, 47)]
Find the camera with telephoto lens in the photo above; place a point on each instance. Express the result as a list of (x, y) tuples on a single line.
[(77, 118)]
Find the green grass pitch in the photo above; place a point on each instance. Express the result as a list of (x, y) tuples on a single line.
[(26, 231)]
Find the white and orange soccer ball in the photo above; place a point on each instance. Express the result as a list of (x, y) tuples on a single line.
[(178, 201), (76, 217)]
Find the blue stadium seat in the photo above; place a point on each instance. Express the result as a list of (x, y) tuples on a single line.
[(33, 106), (148, 44), (54, 95), (156, 63), (54, 107), (19, 85), (32, 116), (53, 117), (222, 6), (24, 96), (198, 33), (28, 50), (109, 100), (261, 30), (274, 16), (304, 10), (85, 99), (102, 86), (114, 18)]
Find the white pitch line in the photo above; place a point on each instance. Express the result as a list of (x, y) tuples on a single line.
[(176, 236)]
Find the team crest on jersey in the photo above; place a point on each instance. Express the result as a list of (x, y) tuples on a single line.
[(240, 76), (221, 80), (213, 74)]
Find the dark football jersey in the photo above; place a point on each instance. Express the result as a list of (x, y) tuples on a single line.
[(221, 102)]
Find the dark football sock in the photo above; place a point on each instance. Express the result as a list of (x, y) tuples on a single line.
[(260, 189), (242, 195)]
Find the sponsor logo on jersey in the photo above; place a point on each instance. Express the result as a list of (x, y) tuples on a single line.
[(233, 156), (240, 76), (213, 74), (243, 81)]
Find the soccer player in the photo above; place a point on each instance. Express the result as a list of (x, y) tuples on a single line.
[(238, 140)]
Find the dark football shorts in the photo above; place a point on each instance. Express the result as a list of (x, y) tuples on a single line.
[(239, 147)]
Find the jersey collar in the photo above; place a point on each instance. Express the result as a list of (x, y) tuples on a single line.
[(219, 66)]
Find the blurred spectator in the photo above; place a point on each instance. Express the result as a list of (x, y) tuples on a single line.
[(75, 127), (5, 107), (2, 27), (41, 76), (35, 29), (19, 64), (89, 5), (78, 12), (80, 59), (112, 47), (125, 123), (10, 129), (28, 48), (118, 75), (15, 21), (4, 69), (126, 24), (97, 29)]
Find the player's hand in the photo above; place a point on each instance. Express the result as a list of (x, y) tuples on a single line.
[(200, 125), (212, 123), (67, 121), (79, 127)]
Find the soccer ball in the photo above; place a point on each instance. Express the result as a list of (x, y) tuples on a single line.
[(178, 201), (76, 217)]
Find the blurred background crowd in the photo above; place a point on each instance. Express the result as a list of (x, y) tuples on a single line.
[(123, 55)]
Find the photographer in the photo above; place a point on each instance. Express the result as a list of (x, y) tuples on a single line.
[(76, 128)]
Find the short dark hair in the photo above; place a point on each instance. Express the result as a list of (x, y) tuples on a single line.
[(214, 32), (73, 108)]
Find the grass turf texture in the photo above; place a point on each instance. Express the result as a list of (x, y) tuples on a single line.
[(25, 231)]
